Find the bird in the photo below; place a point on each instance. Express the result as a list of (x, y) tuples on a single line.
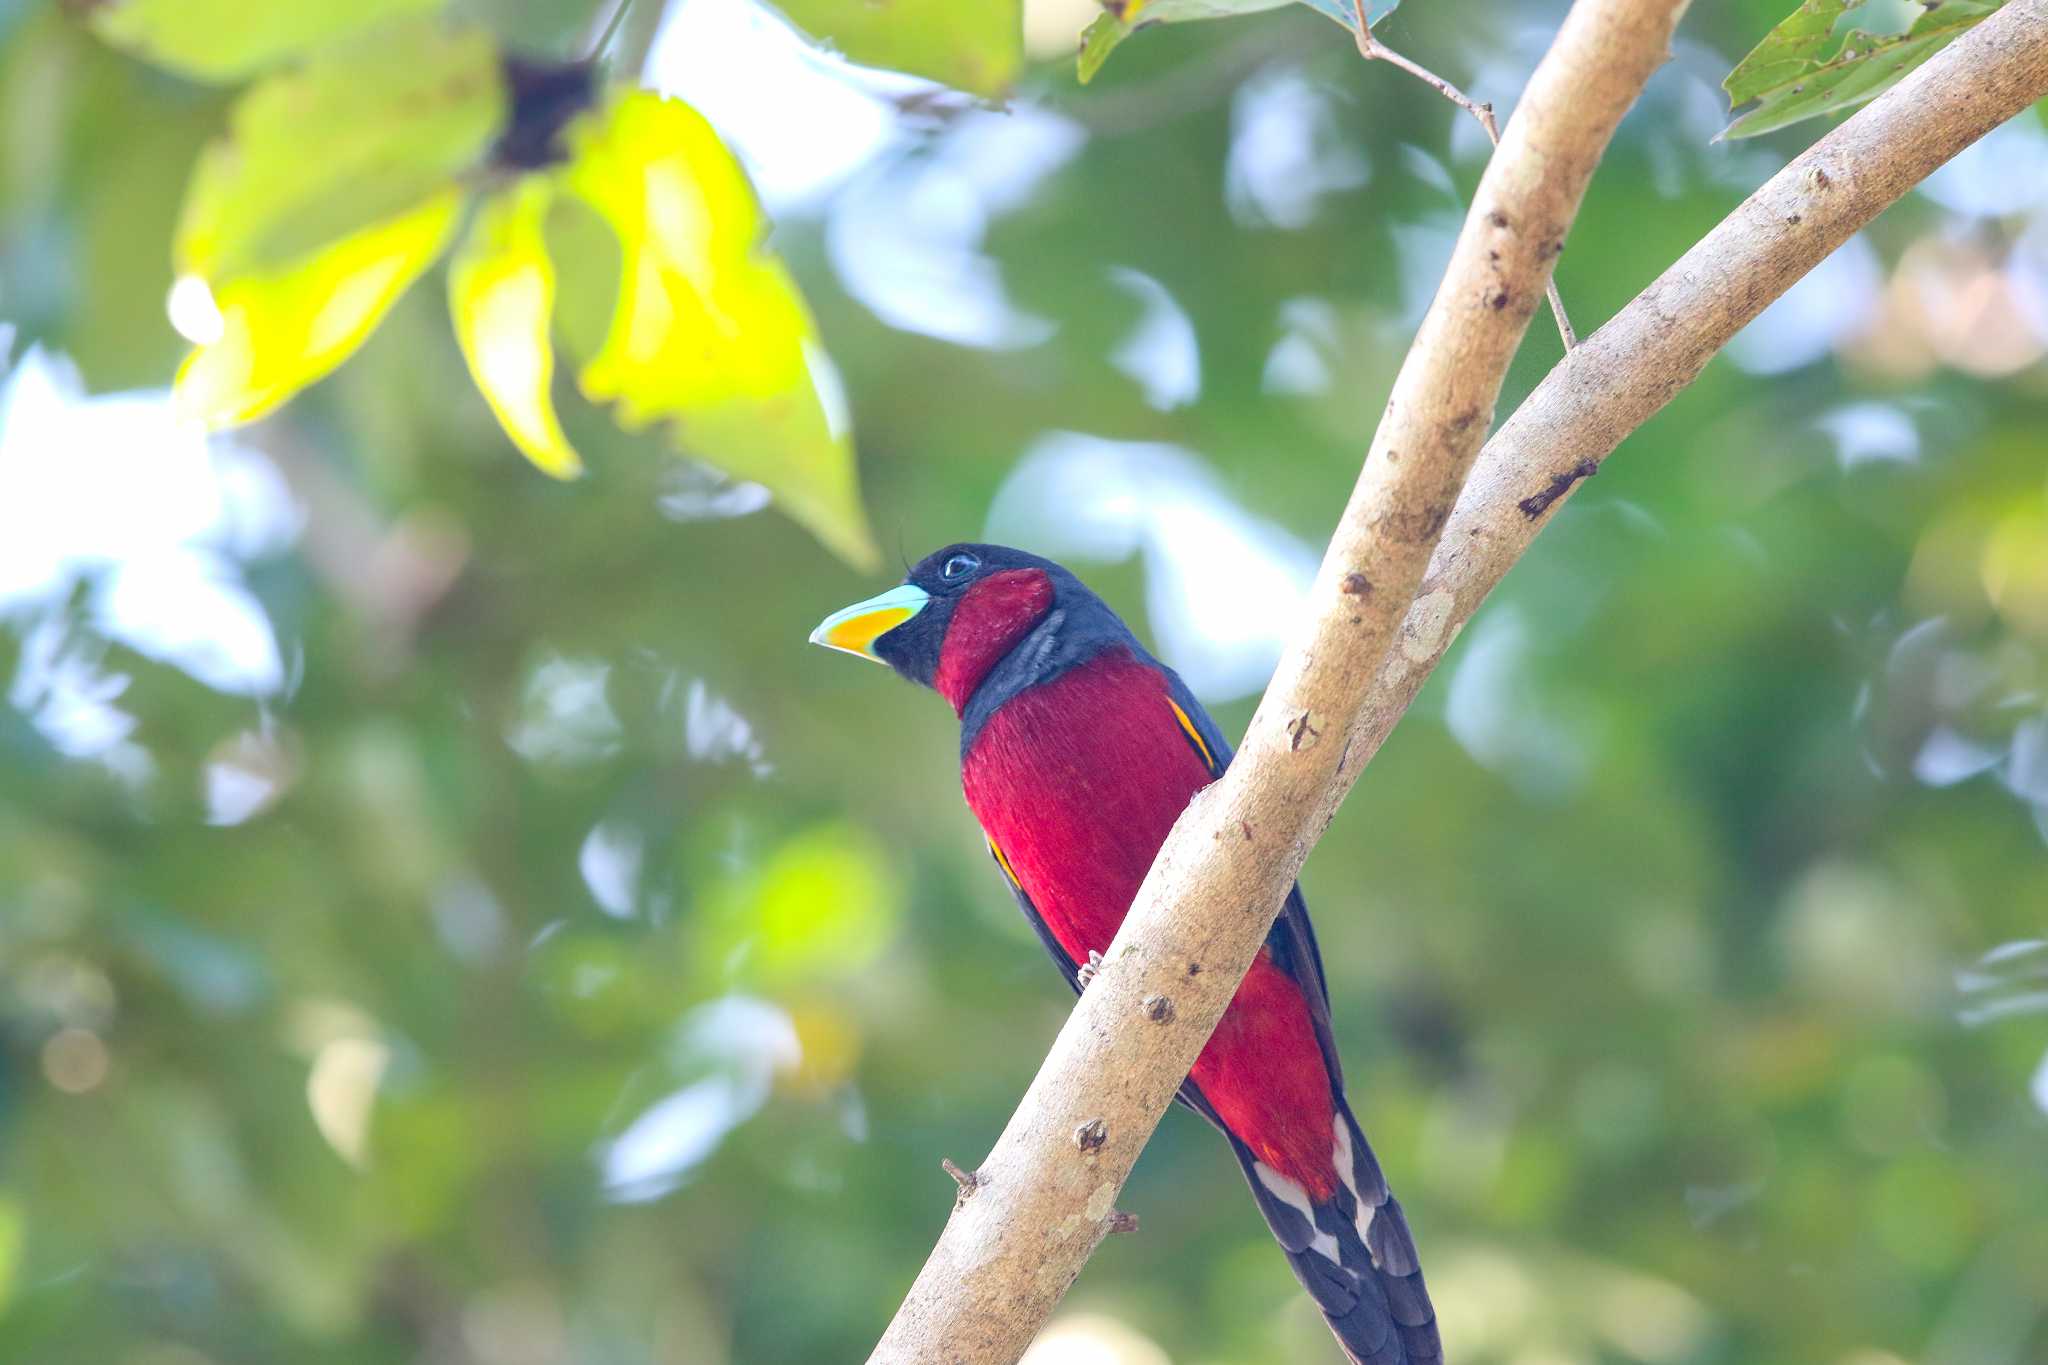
[(1078, 751)]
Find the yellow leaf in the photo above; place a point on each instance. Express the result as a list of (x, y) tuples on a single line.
[(790, 446), (282, 329), (501, 293), (346, 140), (709, 330), (701, 310)]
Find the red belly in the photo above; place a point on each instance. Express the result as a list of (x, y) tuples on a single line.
[(1077, 782)]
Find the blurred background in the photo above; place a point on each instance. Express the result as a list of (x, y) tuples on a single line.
[(448, 915)]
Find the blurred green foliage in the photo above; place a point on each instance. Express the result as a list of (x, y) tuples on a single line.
[(566, 963), (1118, 21)]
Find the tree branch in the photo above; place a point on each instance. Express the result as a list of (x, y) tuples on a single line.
[(1624, 374), (1043, 1200), (1008, 1255)]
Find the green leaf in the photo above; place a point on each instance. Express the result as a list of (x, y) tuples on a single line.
[(227, 40), (587, 264), (1787, 52), (1121, 18), (1346, 14), (349, 139), (282, 329), (1801, 70), (1098, 40), (977, 47), (709, 331), (501, 295)]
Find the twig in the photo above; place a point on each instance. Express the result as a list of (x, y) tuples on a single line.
[(968, 1181), (609, 31), (1373, 50)]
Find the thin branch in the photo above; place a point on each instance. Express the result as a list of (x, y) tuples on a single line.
[(1651, 350), (604, 37), (1373, 50), (1009, 1253), (628, 36), (968, 1181)]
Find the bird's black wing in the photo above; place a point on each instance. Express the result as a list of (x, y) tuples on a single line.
[(1292, 938)]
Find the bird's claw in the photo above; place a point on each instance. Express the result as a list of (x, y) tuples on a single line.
[(1087, 970)]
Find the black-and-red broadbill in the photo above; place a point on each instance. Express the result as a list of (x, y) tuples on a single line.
[(1078, 750)]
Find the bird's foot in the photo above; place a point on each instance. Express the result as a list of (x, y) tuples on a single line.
[(1087, 970)]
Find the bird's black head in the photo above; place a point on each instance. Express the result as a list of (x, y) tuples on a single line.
[(957, 613)]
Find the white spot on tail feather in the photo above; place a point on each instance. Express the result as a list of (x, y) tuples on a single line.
[(1292, 1194), (1341, 1153)]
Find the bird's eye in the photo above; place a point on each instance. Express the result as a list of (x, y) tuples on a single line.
[(959, 566)]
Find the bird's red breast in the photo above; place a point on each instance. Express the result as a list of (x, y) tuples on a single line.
[(1077, 782)]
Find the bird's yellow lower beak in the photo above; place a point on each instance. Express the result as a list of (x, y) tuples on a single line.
[(855, 629)]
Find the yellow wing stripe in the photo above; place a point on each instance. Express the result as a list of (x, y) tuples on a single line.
[(1003, 862), (1193, 734)]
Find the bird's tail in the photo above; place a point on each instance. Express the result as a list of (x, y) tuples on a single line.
[(1353, 1253)]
